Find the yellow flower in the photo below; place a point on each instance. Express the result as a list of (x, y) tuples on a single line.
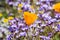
[(1, 15), (5, 20), (56, 7), (29, 18), (41, 12), (32, 7), (19, 11), (20, 5), (10, 18)]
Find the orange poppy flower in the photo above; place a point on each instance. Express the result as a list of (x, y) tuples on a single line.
[(56, 7), (29, 18)]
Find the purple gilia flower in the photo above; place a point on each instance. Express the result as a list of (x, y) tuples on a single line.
[(38, 21), (52, 20), (41, 30), (25, 28), (45, 37), (50, 34), (58, 26), (10, 14), (21, 24), (17, 19), (12, 28), (14, 25), (22, 34), (10, 3), (9, 37), (43, 25), (36, 33), (57, 15), (12, 21)]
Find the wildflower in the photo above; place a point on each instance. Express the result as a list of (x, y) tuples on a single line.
[(19, 11), (56, 7), (9, 37), (45, 37), (5, 20), (29, 18), (12, 28), (23, 34), (10, 18), (32, 7), (12, 21), (58, 26), (20, 5), (25, 28), (0, 14)]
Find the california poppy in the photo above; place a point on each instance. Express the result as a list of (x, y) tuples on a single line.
[(29, 18), (56, 7)]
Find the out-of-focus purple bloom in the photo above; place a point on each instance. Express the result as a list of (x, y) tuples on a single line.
[(36, 33), (50, 34), (12, 21), (17, 19), (41, 30), (21, 24), (43, 25), (38, 21), (57, 15), (10, 3), (15, 3), (45, 37), (9, 37), (44, 6), (12, 28), (41, 9), (25, 28), (14, 25), (10, 14), (58, 26), (53, 20), (23, 34)]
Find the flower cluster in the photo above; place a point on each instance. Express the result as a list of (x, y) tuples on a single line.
[(25, 20)]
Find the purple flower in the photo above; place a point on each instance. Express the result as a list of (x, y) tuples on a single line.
[(21, 24), (9, 37), (45, 37), (41, 30), (12, 21), (22, 34), (57, 15), (58, 26), (12, 28), (49, 34), (25, 28)]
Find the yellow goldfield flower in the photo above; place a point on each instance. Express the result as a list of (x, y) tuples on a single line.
[(56, 7), (32, 7), (20, 5), (19, 11), (5, 20), (1, 15), (10, 18), (41, 12), (29, 18)]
